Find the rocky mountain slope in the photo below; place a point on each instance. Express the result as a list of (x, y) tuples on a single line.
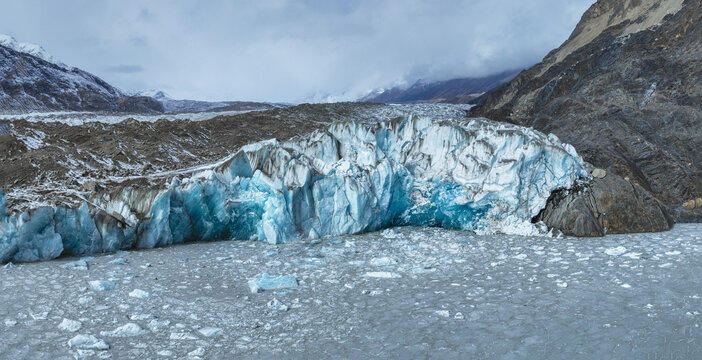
[(171, 105), (455, 91), (626, 90), (31, 80)]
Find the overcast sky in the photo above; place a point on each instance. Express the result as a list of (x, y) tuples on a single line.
[(290, 51)]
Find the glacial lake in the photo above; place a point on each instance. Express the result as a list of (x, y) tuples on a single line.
[(400, 293)]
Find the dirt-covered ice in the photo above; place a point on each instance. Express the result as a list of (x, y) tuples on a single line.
[(401, 293)]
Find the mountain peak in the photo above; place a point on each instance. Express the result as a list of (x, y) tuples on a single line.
[(29, 48)]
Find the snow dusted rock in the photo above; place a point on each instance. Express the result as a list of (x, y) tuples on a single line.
[(353, 177), (87, 342), (70, 325), (126, 330)]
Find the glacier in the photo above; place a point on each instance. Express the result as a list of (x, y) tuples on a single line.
[(352, 177)]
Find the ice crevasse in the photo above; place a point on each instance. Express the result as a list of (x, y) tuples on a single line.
[(471, 174)]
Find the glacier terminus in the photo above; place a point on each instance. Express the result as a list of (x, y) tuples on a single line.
[(352, 177)]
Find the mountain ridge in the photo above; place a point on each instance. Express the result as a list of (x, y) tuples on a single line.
[(455, 91), (31, 80), (629, 99)]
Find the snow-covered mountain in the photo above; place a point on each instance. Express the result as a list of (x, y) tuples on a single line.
[(29, 48), (455, 91), (32, 80)]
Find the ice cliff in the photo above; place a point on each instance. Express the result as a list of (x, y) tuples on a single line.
[(470, 174)]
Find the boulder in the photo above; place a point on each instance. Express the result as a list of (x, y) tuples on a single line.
[(607, 205), (599, 173)]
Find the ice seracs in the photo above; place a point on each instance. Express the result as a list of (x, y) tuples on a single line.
[(352, 177)]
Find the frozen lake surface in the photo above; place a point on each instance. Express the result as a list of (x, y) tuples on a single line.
[(402, 293)]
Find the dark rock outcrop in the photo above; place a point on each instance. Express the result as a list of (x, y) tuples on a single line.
[(29, 83), (626, 90), (606, 205)]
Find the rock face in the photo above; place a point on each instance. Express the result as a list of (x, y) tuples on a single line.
[(626, 90), (29, 83), (606, 205)]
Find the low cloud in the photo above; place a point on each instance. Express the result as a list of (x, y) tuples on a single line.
[(289, 50), (125, 69)]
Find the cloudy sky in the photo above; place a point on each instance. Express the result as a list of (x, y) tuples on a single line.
[(290, 51)]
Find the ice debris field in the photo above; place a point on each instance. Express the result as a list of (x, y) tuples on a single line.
[(470, 174), (403, 293)]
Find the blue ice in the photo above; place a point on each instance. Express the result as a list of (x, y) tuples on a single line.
[(465, 174)]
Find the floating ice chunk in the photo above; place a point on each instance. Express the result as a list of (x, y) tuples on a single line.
[(119, 261), (442, 313), (615, 251), (276, 305), (673, 253), (9, 265), (268, 282), (87, 342), (101, 285), (199, 352), (422, 270), (382, 261), (382, 275), (562, 284), (210, 331), (84, 300), (141, 317), (182, 336), (139, 294), (390, 233), (625, 285), (70, 325), (76, 265), (42, 315), (126, 330), (166, 353), (157, 325), (10, 322)]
